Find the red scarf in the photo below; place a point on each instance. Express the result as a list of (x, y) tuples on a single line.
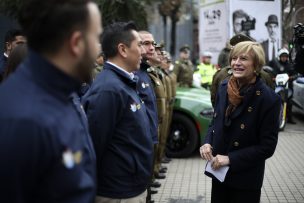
[(234, 96)]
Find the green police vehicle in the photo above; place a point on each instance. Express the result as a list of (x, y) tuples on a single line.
[(191, 117)]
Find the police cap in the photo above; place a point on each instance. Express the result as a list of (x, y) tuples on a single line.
[(240, 38), (160, 45), (184, 48)]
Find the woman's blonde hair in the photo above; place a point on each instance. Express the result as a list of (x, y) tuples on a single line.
[(252, 48)]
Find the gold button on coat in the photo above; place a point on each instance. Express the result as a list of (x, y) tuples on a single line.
[(236, 144), (250, 109), (258, 93), (242, 126)]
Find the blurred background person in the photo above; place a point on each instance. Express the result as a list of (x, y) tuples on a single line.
[(206, 69), (184, 68), (13, 37), (98, 64), (281, 65), (223, 58), (18, 54)]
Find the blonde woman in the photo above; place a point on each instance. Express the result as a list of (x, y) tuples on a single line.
[(244, 130)]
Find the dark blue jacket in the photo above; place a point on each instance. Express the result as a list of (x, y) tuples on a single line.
[(250, 138), (3, 63), (146, 92), (45, 150), (121, 134)]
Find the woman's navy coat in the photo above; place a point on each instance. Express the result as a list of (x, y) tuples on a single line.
[(250, 138)]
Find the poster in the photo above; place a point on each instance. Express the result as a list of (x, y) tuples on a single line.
[(262, 22), (213, 27), (219, 20)]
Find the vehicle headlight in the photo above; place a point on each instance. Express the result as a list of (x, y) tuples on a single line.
[(207, 113)]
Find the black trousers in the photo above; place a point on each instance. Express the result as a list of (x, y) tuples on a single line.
[(221, 193)]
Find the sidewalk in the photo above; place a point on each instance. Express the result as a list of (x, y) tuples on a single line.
[(283, 181)]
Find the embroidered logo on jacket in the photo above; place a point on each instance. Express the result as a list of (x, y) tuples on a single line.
[(69, 158), (144, 85), (134, 107)]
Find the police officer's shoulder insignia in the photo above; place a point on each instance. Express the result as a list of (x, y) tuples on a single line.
[(150, 70)]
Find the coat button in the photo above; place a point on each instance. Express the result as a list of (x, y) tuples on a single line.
[(236, 144), (258, 93), (242, 126), (214, 115), (250, 109)]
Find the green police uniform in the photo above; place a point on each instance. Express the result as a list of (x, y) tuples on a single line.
[(161, 97), (165, 129), (183, 70), (173, 88)]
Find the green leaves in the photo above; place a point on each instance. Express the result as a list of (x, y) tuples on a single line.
[(10, 7), (124, 10)]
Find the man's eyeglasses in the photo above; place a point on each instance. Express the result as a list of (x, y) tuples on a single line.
[(149, 43)]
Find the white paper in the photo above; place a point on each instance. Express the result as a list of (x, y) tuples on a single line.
[(220, 173)]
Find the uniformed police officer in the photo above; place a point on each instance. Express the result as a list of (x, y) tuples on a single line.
[(183, 68), (160, 88), (171, 80), (46, 152), (145, 87), (226, 72), (164, 75)]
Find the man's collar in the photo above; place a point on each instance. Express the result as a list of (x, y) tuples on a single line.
[(123, 70)]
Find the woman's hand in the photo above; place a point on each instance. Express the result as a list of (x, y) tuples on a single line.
[(206, 152), (219, 161)]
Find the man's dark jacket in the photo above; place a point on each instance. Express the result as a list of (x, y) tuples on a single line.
[(46, 152), (120, 128), (3, 63), (146, 92)]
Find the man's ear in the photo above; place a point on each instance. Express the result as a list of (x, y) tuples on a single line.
[(122, 50), (76, 43), (8, 46)]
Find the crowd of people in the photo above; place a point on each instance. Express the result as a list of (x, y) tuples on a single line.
[(88, 122)]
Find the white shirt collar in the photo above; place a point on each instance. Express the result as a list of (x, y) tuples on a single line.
[(5, 54), (123, 70)]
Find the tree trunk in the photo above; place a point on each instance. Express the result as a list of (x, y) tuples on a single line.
[(165, 28), (173, 35)]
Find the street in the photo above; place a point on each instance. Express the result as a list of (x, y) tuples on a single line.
[(283, 180)]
